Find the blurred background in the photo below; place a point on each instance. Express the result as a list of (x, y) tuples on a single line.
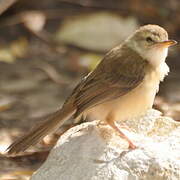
[(47, 46)]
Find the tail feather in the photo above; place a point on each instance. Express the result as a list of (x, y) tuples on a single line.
[(40, 131)]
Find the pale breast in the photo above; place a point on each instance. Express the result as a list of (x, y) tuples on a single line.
[(133, 104)]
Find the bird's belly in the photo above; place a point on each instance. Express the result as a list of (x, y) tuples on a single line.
[(131, 105)]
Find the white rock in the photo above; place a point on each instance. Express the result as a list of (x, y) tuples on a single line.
[(94, 152), (96, 31)]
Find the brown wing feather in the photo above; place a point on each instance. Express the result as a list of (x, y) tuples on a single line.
[(117, 74)]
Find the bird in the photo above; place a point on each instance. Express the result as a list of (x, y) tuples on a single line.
[(122, 86)]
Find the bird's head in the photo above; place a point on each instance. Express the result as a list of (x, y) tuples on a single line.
[(151, 42)]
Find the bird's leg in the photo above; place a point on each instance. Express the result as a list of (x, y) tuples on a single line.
[(124, 126), (111, 122)]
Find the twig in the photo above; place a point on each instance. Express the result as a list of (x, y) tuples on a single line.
[(52, 73), (5, 4)]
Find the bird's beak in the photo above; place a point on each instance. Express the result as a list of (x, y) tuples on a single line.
[(167, 43)]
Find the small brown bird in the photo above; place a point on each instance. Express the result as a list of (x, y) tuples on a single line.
[(122, 86)]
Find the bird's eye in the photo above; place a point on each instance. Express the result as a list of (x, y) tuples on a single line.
[(149, 39)]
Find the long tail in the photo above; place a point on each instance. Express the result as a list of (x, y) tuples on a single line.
[(50, 125)]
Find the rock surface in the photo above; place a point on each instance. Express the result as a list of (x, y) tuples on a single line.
[(93, 151)]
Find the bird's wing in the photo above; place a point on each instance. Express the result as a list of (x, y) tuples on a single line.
[(115, 76)]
